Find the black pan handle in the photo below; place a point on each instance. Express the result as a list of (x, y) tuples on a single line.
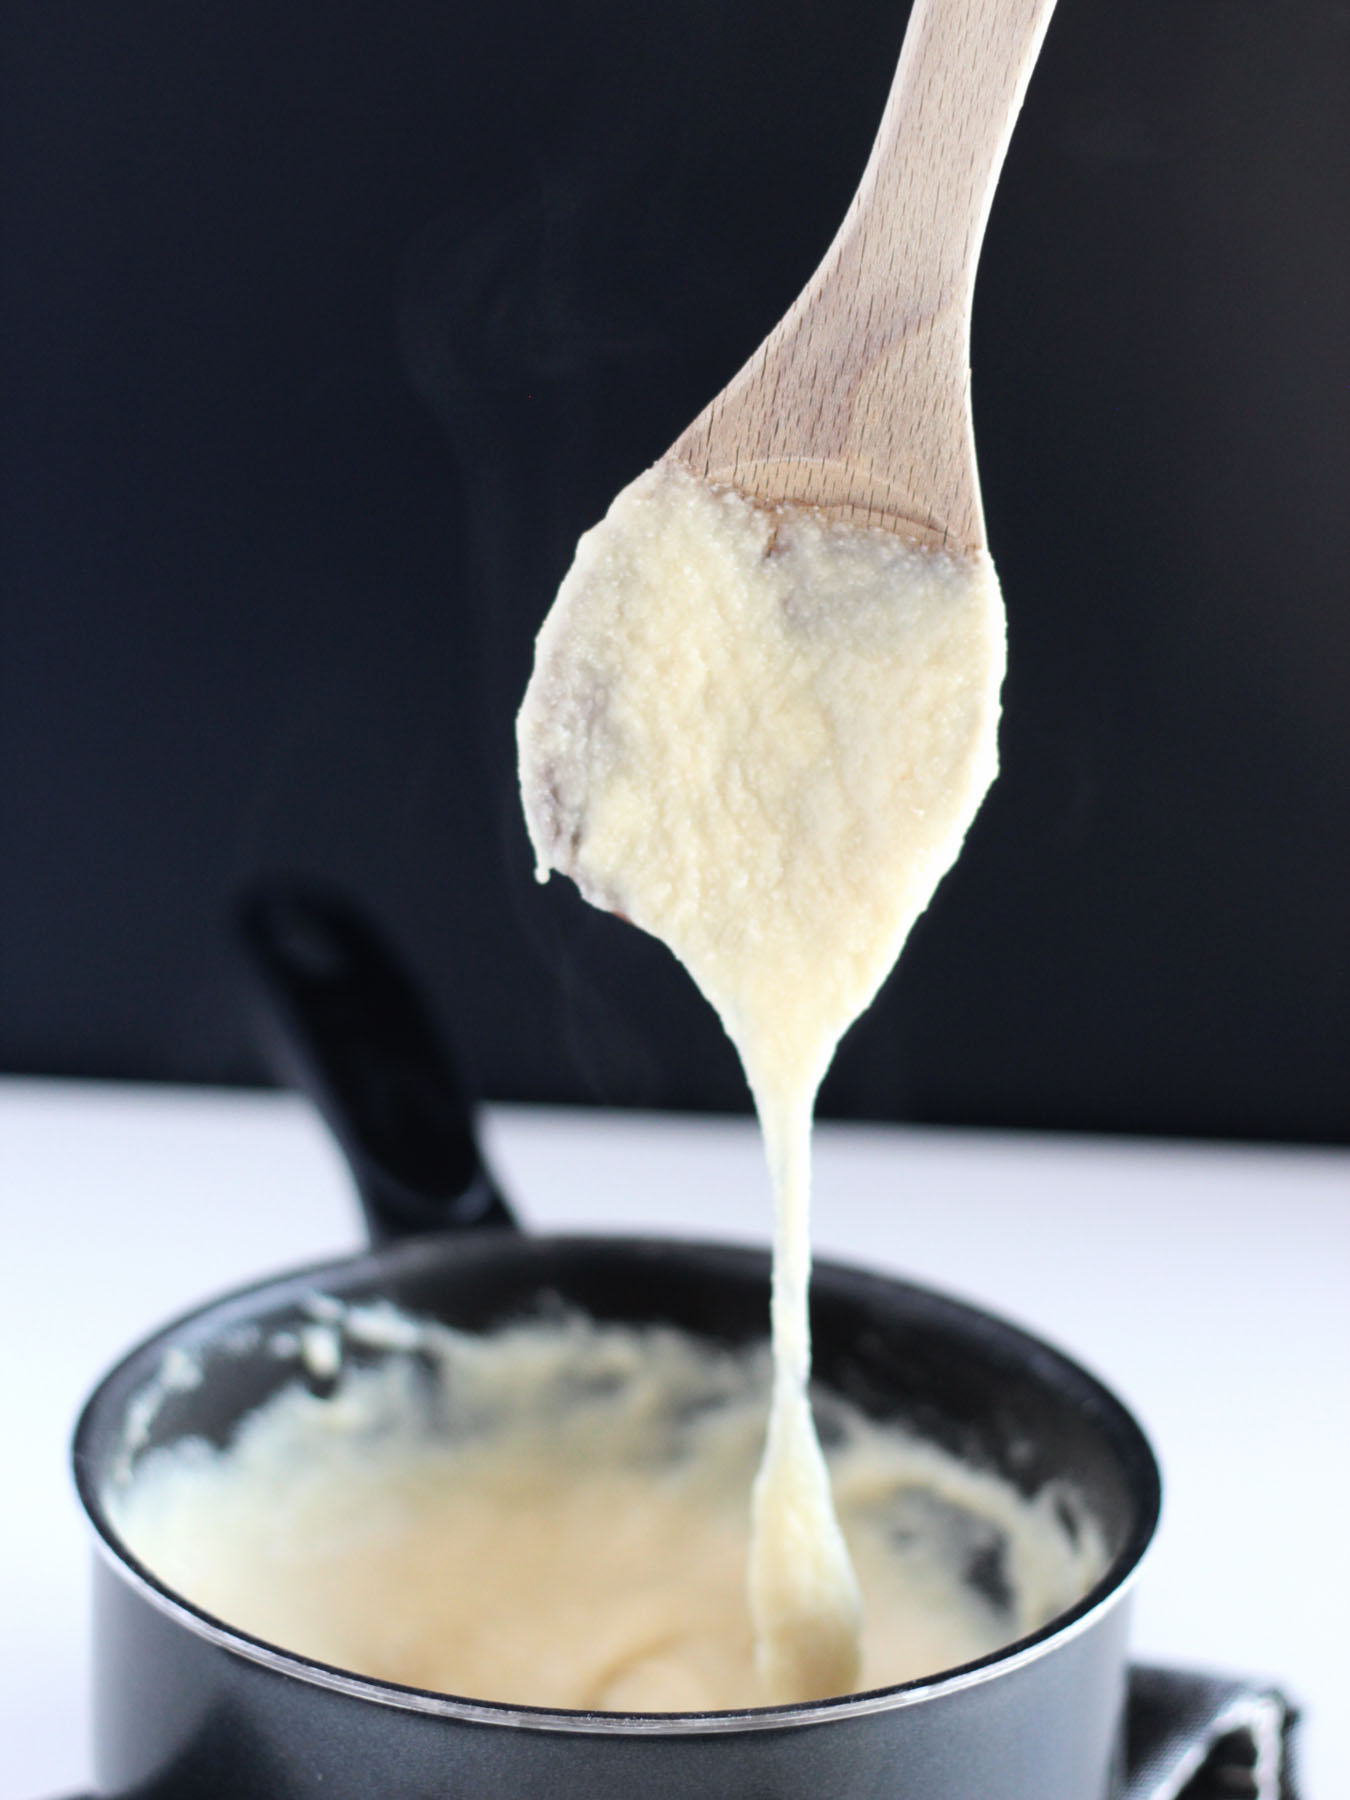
[(345, 1023)]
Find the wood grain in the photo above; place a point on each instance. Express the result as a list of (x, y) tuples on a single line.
[(858, 402)]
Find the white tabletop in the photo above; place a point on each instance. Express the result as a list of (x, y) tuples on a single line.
[(1209, 1285)]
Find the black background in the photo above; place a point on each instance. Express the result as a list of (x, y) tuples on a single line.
[(326, 328)]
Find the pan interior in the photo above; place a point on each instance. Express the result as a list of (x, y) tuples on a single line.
[(1006, 1405)]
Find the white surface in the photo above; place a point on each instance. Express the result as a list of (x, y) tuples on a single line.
[(1210, 1286)]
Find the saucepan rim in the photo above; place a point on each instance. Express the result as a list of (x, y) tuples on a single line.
[(238, 1306)]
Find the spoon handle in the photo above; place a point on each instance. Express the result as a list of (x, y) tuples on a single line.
[(913, 232), (859, 400)]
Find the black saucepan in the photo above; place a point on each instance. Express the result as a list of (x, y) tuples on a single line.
[(186, 1706)]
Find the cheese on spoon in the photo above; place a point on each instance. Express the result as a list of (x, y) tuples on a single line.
[(762, 736)]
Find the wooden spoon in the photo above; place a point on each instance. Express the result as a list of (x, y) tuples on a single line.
[(858, 401)]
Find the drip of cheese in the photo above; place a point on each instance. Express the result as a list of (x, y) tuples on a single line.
[(762, 736)]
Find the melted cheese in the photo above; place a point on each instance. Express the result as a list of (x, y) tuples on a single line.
[(762, 737)]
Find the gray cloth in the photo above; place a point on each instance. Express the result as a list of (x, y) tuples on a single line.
[(1193, 1736)]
